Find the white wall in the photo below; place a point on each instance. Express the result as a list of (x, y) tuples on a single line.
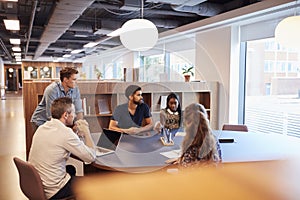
[(213, 64)]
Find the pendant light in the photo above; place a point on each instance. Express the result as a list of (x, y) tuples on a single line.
[(287, 32), (139, 34)]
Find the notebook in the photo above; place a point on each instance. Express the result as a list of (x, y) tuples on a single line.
[(108, 142)]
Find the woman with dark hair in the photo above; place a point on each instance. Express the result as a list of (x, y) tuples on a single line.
[(199, 145), (170, 117)]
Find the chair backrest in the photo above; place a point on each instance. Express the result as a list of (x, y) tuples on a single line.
[(30, 181), (235, 127)]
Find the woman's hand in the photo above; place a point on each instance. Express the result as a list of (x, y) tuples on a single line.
[(157, 127)]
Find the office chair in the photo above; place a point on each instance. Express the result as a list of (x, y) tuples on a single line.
[(30, 181), (235, 127)]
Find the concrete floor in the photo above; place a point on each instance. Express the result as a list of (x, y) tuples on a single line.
[(12, 143)]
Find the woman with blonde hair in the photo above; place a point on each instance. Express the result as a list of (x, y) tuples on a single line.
[(199, 145)]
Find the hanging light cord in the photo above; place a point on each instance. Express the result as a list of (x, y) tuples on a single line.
[(296, 9), (142, 9)]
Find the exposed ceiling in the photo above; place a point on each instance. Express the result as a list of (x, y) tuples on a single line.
[(53, 28)]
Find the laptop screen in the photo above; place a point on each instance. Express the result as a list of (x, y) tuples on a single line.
[(109, 139)]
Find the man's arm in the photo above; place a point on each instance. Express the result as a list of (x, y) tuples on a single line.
[(78, 104), (148, 125), (84, 131), (85, 152), (113, 125)]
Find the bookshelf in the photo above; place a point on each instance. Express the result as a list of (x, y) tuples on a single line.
[(111, 94)]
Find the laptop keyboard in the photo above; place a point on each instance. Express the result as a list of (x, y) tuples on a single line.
[(100, 151)]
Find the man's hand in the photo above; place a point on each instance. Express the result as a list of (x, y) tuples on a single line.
[(82, 127), (132, 130)]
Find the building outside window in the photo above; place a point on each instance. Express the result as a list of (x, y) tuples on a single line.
[(272, 96)]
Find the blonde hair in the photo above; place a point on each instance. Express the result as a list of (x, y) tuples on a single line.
[(198, 133)]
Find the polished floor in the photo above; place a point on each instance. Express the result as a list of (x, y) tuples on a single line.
[(12, 143)]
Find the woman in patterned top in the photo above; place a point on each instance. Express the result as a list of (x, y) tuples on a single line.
[(199, 145), (170, 117)]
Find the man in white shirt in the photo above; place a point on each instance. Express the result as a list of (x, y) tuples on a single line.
[(52, 145)]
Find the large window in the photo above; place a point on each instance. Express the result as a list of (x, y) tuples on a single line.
[(272, 99), (168, 66), (153, 68)]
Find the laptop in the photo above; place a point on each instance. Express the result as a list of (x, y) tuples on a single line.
[(108, 142)]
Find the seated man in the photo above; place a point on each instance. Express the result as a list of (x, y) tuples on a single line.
[(52, 145), (128, 117)]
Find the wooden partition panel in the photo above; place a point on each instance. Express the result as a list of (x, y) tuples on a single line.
[(32, 93)]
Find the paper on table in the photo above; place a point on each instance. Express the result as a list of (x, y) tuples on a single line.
[(180, 133), (172, 154)]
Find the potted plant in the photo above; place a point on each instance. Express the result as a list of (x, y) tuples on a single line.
[(187, 72), (98, 73)]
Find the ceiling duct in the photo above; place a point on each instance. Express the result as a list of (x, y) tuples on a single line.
[(107, 26), (132, 5), (152, 11), (5, 49), (81, 26), (178, 2), (64, 15), (30, 26), (204, 9)]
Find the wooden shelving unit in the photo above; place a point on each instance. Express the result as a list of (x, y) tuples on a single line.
[(112, 93)]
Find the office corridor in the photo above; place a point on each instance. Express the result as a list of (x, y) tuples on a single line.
[(12, 143)]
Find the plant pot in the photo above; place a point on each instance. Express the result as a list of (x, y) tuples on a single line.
[(187, 78)]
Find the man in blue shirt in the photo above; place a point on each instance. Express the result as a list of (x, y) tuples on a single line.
[(133, 117), (65, 88)]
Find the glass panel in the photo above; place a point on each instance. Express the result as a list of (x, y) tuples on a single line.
[(167, 67), (30, 72), (272, 102), (57, 70), (153, 66), (45, 72)]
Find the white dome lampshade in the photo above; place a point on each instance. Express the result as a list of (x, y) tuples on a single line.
[(139, 35), (287, 32)]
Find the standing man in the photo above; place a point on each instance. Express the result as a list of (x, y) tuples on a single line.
[(65, 88), (52, 145), (131, 116)]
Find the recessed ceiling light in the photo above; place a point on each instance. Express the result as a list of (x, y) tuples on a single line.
[(17, 54), (15, 41), (12, 24), (16, 49), (76, 51), (66, 55), (90, 44)]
